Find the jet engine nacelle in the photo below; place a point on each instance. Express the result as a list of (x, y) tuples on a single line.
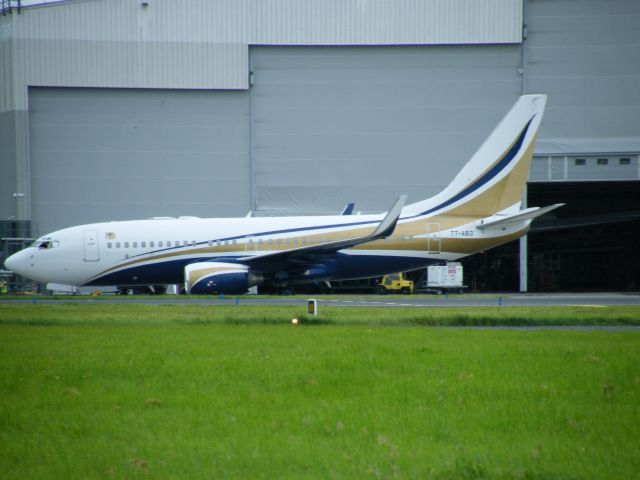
[(217, 277)]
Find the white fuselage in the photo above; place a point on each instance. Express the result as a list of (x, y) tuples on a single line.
[(136, 252)]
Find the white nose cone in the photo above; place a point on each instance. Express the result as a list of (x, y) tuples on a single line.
[(17, 263)]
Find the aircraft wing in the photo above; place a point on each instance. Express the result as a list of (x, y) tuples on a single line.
[(526, 214), (384, 229)]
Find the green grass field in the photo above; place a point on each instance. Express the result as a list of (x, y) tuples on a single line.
[(136, 391)]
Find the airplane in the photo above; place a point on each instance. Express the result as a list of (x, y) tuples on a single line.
[(478, 210)]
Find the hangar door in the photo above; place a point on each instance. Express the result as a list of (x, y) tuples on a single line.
[(118, 154), (332, 125)]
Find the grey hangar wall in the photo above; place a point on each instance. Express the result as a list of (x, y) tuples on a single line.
[(319, 127), (107, 114)]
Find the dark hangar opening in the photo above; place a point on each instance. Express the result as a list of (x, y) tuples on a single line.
[(590, 244)]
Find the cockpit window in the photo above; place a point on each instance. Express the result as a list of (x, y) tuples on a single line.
[(45, 244)]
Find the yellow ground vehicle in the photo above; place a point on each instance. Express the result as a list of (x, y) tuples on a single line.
[(395, 283)]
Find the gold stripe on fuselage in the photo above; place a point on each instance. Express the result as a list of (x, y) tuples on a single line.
[(242, 248), (195, 277)]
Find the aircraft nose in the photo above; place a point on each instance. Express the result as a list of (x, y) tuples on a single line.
[(18, 263)]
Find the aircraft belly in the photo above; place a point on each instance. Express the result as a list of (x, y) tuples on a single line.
[(341, 266), (366, 266), (151, 274)]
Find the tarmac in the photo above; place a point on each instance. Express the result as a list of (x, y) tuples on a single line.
[(594, 300)]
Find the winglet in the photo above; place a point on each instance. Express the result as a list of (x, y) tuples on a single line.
[(388, 223)]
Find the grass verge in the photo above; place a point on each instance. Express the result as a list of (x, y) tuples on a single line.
[(88, 314), (113, 391)]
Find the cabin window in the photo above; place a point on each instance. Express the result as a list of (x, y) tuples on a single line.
[(126, 244), (580, 161), (135, 244), (625, 161), (143, 244), (160, 243), (109, 245), (152, 244), (117, 244), (603, 161)]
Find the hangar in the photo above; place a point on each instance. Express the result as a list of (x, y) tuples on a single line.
[(123, 109)]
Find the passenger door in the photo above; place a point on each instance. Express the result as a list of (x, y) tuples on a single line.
[(91, 250)]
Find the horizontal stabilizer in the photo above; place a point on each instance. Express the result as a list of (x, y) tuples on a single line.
[(523, 215)]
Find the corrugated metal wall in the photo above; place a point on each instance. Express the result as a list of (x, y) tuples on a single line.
[(580, 168), (334, 125), (200, 44), (586, 56), (203, 44), (282, 22), (353, 108), (107, 154), (7, 167)]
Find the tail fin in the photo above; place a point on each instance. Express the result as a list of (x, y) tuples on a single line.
[(494, 179)]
